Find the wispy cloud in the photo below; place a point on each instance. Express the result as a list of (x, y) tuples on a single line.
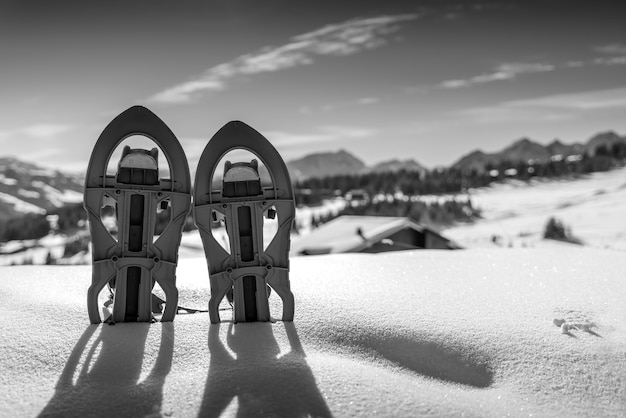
[(341, 39), (37, 131), (591, 100), (611, 54), (549, 108), (615, 54), (329, 107), (507, 71), (620, 60), (611, 49), (322, 134), (368, 100)]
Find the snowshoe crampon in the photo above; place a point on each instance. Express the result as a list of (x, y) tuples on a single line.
[(134, 261), (242, 202)]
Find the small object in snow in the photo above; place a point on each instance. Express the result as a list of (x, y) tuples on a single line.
[(558, 321), (565, 328)]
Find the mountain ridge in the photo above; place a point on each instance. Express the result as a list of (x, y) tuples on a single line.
[(525, 149)]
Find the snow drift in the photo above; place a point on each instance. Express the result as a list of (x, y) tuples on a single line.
[(422, 333)]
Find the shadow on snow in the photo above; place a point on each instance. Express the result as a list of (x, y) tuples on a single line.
[(107, 381), (264, 382)]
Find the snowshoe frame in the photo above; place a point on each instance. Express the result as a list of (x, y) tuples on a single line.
[(261, 267), (155, 260)]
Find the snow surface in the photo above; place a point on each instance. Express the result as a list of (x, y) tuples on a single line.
[(20, 205), (594, 207), (421, 333)]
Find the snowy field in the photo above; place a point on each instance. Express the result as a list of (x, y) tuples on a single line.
[(594, 207), (479, 333)]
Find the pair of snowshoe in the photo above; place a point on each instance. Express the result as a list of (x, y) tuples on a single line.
[(136, 259)]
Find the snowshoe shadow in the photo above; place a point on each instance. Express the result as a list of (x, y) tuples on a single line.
[(284, 387), (592, 332), (434, 360), (447, 362), (103, 377)]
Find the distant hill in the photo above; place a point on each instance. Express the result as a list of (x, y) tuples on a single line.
[(556, 147), (606, 139), (325, 164), (342, 162), (524, 150), (397, 165), (28, 188)]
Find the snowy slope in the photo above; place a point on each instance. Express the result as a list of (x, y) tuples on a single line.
[(594, 207), (26, 187), (424, 333)]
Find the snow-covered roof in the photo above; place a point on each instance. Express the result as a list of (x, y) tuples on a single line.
[(341, 234), (405, 334)]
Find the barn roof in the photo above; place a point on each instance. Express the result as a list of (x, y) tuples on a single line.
[(341, 234)]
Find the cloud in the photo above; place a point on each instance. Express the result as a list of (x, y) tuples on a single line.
[(368, 100), (46, 130), (329, 133), (591, 100), (616, 54), (549, 108), (340, 40), (610, 61), (507, 71), (37, 131), (329, 107), (611, 49)]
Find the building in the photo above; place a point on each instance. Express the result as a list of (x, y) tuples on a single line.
[(369, 234)]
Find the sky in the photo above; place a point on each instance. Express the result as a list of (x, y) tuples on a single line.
[(427, 80)]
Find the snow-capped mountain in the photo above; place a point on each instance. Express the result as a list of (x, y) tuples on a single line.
[(28, 188)]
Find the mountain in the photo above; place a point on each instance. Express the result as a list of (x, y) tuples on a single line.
[(475, 160), (527, 150), (26, 187), (556, 147), (325, 164), (522, 150), (606, 139), (397, 165)]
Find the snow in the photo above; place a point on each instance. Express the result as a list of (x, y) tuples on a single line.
[(20, 205), (57, 197), (34, 251), (305, 214), (29, 194), (421, 333), (517, 212), (9, 181)]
